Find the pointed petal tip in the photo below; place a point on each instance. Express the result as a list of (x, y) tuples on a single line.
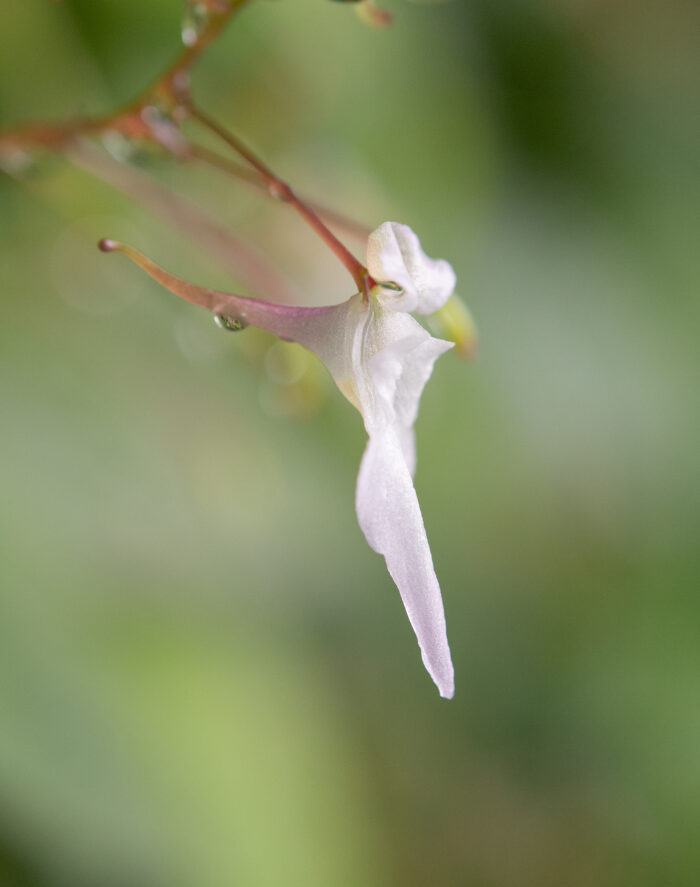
[(444, 679), (448, 691)]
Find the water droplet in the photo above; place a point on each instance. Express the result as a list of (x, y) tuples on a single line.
[(231, 324), (390, 285), (194, 21)]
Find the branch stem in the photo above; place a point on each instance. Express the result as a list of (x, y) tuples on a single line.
[(245, 174), (282, 191), (239, 257), (170, 83)]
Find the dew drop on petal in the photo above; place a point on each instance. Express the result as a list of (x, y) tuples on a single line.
[(390, 285), (231, 324)]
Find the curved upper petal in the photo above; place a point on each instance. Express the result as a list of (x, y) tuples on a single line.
[(390, 517), (394, 255)]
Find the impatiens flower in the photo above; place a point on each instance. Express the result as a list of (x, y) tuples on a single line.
[(380, 358)]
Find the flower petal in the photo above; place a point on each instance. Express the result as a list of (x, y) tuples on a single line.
[(390, 518), (394, 255), (401, 362), (381, 360)]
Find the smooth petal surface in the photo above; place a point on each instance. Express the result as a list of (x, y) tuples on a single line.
[(399, 373), (394, 255), (390, 518), (392, 367)]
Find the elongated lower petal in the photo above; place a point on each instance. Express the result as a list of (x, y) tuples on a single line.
[(398, 374), (390, 518)]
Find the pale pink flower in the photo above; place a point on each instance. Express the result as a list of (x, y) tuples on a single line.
[(380, 358)]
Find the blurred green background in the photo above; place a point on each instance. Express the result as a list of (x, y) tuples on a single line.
[(206, 677)]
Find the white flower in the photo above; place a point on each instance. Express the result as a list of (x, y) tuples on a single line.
[(380, 358)]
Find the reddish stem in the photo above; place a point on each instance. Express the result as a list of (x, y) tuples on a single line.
[(241, 260), (170, 85), (251, 177), (282, 191)]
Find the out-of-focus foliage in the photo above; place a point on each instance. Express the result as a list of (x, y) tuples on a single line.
[(206, 678)]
